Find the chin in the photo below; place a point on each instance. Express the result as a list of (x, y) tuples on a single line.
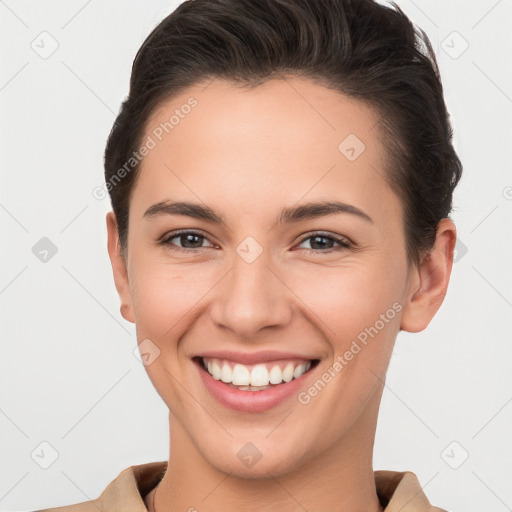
[(254, 459)]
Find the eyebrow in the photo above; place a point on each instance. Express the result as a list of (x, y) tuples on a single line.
[(288, 215)]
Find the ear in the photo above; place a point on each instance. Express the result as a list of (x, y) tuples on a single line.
[(119, 268), (429, 281)]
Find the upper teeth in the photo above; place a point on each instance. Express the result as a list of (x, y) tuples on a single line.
[(257, 375)]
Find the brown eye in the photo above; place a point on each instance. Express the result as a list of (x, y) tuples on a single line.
[(323, 243), (190, 241)]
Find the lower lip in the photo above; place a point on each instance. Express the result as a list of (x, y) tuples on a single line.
[(252, 401)]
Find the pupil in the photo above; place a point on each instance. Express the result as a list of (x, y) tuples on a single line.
[(318, 237), (189, 238)]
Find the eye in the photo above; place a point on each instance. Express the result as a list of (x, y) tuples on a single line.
[(186, 237), (319, 240)]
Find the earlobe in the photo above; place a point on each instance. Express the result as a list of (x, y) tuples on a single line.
[(429, 281), (119, 268)]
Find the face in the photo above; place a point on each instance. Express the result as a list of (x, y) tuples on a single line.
[(325, 284)]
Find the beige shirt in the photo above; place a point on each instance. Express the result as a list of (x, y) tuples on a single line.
[(397, 491)]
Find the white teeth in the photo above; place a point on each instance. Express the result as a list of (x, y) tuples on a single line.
[(258, 377), (276, 375), (226, 373), (252, 388), (240, 375), (288, 372), (299, 370), (216, 371)]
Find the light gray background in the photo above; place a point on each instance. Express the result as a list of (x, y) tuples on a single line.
[(68, 373)]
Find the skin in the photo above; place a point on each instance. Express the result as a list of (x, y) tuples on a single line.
[(247, 154)]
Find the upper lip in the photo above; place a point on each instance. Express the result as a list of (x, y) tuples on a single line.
[(254, 357)]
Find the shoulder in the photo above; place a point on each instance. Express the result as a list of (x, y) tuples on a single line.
[(125, 492), (86, 506), (401, 490)]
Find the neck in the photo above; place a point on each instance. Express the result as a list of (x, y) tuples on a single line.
[(338, 479)]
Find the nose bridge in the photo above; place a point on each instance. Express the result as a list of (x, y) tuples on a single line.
[(251, 296)]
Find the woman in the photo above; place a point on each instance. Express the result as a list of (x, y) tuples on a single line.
[(281, 177)]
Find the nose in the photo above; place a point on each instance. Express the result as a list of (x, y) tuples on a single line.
[(250, 298)]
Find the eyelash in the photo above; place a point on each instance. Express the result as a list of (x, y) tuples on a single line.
[(344, 243)]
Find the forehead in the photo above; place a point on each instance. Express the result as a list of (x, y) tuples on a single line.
[(308, 111), (282, 140)]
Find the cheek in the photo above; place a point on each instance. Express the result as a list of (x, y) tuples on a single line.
[(163, 297), (348, 298)]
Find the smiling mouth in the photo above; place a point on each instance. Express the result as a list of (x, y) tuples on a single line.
[(255, 377)]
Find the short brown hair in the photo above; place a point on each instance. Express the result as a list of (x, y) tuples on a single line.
[(361, 48)]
